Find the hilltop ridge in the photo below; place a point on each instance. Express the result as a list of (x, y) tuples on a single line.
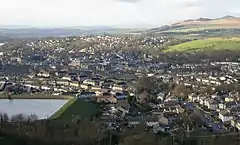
[(190, 25)]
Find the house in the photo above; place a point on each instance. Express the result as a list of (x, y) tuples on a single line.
[(192, 97), (225, 116), (120, 96), (86, 95), (211, 104), (107, 98), (235, 123), (238, 124), (100, 92), (229, 99), (119, 87), (63, 82), (15, 59), (69, 78), (227, 105), (43, 74), (161, 96), (89, 82), (171, 99), (171, 109), (46, 88), (84, 86), (201, 99), (96, 88), (179, 109), (61, 73), (107, 84), (234, 110), (215, 96), (74, 84), (75, 63)]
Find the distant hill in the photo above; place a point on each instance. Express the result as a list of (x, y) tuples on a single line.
[(200, 24), (38, 32), (13, 32)]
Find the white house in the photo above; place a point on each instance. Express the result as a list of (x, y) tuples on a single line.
[(161, 96), (211, 104), (201, 100), (229, 99), (192, 97), (225, 116)]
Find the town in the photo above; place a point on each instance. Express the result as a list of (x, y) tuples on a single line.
[(133, 84)]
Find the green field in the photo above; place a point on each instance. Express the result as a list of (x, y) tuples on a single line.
[(63, 109), (210, 44), (76, 109)]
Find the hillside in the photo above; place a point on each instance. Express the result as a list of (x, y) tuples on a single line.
[(201, 24), (210, 44)]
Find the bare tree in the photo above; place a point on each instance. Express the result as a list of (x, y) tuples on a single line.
[(18, 118), (4, 117)]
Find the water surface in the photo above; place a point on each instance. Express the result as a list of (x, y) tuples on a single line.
[(42, 108)]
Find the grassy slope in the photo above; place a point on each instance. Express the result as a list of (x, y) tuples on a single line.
[(211, 44), (63, 109), (76, 108)]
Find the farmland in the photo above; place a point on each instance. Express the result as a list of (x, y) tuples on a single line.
[(210, 44)]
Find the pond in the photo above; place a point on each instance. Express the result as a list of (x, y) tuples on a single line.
[(42, 108), (2, 44)]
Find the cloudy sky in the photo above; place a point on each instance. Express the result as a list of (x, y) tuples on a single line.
[(119, 13)]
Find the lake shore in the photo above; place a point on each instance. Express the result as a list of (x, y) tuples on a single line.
[(37, 96)]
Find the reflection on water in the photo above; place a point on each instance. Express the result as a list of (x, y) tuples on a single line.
[(42, 108)]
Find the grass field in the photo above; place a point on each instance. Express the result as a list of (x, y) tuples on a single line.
[(76, 108), (210, 44)]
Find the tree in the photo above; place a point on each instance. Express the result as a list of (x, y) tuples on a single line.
[(143, 97), (18, 118), (150, 84), (32, 117), (181, 91), (4, 117), (130, 99), (139, 136)]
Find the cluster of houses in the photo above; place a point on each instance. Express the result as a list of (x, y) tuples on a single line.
[(224, 106), (82, 86), (160, 116)]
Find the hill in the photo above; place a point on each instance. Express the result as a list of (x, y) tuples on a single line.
[(210, 44), (200, 24), (8, 33), (38, 32)]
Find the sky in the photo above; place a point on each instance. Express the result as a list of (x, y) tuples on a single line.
[(117, 13)]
